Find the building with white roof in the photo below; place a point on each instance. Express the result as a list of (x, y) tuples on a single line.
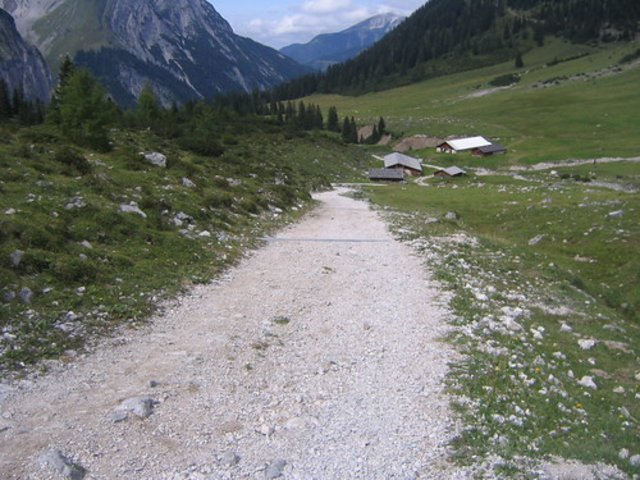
[(462, 144)]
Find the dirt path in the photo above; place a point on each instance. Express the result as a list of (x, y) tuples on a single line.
[(318, 357)]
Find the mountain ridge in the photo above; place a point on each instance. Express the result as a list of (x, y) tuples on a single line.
[(163, 42), (328, 49)]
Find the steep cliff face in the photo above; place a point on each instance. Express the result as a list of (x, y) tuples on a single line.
[(21, 65), (330, 48), (183, 47)]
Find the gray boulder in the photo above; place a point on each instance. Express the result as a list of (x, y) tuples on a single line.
[(155, 158), (55, 461)]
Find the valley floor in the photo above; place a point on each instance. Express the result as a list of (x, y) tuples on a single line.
[(320, 356)]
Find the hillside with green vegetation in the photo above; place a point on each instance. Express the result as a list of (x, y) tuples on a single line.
[(104, 214)]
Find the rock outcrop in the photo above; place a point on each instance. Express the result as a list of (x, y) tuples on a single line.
[(21, 65)]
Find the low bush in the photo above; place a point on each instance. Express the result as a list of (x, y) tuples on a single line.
[(75, 162), (505, 80)]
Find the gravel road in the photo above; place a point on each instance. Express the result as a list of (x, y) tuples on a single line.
[(318, 357)]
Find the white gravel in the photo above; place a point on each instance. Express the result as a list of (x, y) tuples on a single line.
[(319, 357)]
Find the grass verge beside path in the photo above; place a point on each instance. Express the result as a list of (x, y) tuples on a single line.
[(91, 242), (544, 270)]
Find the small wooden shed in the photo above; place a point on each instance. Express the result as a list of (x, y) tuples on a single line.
[(405, 163), (450, 172), (386, 175), (493, 149)]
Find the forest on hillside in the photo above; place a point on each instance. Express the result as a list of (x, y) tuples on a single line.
[(445, 36)]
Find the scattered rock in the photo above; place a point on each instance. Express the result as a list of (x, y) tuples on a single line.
[(587, 382), (635, 461), (619, 389), (9, 296), (565, 328), (141, 407), (75, 203), (229, 459), (275, 469), (587, 343), (10, 211), (16, 258), (205, 234), (155, 158), (57, 462), (616, 214), (187, 183), (452, 216), (623, 454), (623, 347), (266, 430), (26, 295), (132, 208), (536, 240), (86, 244)]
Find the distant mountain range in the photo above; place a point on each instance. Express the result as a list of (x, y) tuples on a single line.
[(184, 48), (21, 65), (331, 48)]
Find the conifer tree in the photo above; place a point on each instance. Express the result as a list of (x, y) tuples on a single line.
[(333, 122), (66, 71), (84, 110), (147, 108), (5, 101), (353, 131), (346, 130)]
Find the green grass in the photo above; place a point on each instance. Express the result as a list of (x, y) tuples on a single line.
[(112, 268), (518, 390), (591, 112)]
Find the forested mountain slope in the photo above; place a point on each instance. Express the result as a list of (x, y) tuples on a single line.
[(446, 36)]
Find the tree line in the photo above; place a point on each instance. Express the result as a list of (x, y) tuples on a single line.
[(83, 112)]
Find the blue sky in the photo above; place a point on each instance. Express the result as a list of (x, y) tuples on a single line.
[(279, 23)]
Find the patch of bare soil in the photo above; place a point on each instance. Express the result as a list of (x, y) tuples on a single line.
[(417, 142)]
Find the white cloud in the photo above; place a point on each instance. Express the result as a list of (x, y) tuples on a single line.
[(325, 6), (309, 18)]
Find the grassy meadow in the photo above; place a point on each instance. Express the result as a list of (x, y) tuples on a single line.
[(542, 261), (572, 101)]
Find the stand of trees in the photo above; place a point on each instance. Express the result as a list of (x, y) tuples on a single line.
[(83, 113), (14, 106)]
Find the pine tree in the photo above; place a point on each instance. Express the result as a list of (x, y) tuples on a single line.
[(519, 63), (382, 127), (147, 108), (5, 101), (66, 71), (353, 131), (333, 122), (85, 111), (346, 130)]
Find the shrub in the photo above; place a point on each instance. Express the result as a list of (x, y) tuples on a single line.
[(75, 270), (505, 80), (71, 158)]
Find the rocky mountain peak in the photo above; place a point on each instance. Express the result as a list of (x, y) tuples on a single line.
[(184, 48), (21, 65)]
